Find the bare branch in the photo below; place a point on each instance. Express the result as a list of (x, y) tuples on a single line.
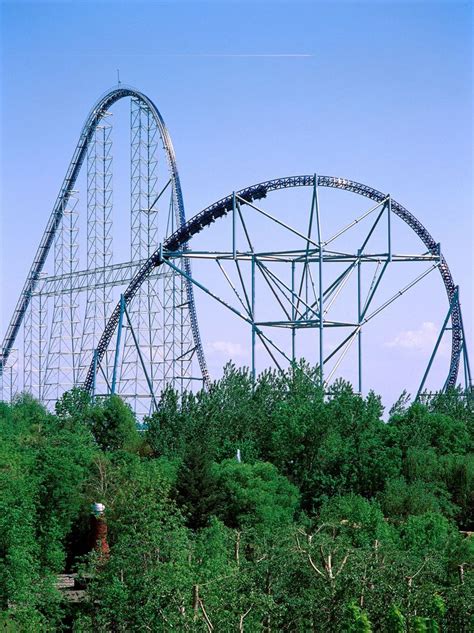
[(195, 600), (241, 623), (237, 549), (210, 627), (329, 566), (311, 562), (342, 565), (410, 578)]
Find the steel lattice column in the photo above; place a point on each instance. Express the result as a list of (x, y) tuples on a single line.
[(62, 357), (159, 313), (178, 347), (9, 378), (35, 343), (146, 310), (99, 241)]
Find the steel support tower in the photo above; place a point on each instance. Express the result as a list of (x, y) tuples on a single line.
[(75, 280)]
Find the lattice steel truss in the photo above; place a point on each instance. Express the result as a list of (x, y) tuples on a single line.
[(65, 313), (60, 369), (146, 309), (151, 331), (9, 378), (99, 239), (35, 344), (178, 346)]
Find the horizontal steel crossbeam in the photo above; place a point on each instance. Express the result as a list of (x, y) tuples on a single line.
[(109, 276)]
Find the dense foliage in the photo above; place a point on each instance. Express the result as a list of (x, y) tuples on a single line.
[(251, 507)]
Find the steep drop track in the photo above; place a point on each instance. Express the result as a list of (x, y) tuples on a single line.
[(95, 116)]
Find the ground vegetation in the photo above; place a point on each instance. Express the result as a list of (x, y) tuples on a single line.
[(252, 506)]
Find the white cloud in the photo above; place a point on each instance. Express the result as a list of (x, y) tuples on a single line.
[(422, 339), (227, 349)]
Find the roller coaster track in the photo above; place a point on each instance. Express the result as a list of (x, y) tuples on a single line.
[(95, 116), (179, 240)]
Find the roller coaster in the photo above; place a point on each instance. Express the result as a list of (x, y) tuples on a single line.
[(279, 276)]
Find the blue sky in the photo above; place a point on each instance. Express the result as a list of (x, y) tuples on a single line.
[(378, 92)]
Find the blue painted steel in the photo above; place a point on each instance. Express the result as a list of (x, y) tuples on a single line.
[(321, 289), (140, 356), (117, 347), (253, 318), (359, 317), (454, 302), (222, 207)]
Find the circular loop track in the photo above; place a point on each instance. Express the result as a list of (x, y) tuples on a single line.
[(184, 233)]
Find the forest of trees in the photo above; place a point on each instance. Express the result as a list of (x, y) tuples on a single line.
[(335, 518)]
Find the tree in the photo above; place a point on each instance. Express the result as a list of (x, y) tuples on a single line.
[(147, 582), (113, 425), (253, 495), (196, 487)]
